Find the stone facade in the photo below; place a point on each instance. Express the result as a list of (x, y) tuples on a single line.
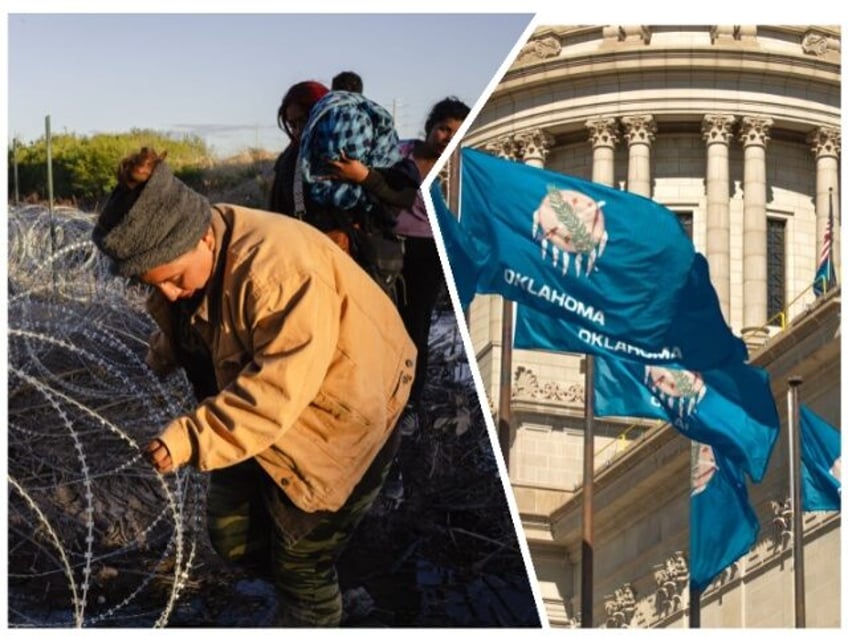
[(737, 129)]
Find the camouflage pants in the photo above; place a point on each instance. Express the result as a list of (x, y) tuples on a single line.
[(252, 522)]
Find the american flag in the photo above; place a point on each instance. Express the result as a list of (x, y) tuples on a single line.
[(825, 272)]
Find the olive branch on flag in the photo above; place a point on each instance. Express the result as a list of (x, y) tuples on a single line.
[(581, 239)]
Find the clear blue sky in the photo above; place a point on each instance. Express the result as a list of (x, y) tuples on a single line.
[(222, 76)]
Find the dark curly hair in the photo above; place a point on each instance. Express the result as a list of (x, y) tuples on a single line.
[(448, 108), (347, 81), (136, 169)]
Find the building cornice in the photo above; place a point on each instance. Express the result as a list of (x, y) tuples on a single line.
[(598, 64), (639, 471)]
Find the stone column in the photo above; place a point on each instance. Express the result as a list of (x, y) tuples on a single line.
[(827, 144), (639, 131), (717, 130), (603, 135), (535, 145), (754, 135), (504, 147)]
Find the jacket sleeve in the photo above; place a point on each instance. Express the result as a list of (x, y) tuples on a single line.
[(396, 186), (294, 329)]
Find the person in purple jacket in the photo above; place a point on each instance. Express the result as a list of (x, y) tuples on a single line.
[(422, 272)]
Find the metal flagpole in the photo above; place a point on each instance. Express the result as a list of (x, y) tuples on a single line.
[(504, 403), (454, 176), (694, 594), (694, 607), (831, 262), (505, 397), (49, 142), (587, 549), (797, 513)]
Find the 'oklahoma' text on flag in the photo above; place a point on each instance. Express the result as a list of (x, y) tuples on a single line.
[(611, 261), (698, 338), (615, 265)]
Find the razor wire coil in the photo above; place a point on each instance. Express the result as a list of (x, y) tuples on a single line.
[(96, 536)]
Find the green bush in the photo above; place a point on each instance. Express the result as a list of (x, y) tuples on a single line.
[(84, 168)]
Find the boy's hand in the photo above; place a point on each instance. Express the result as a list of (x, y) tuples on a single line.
[(347, 169), (159, 456)]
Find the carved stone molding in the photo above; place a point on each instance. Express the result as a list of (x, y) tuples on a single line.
[(491, 406), (603, 132), (747, 32), (826, 141), (573, 622), (504, 147), (526, 385), (816, 43), (755, 130), (781, 524), (722, 32), (718, 128), (525, 145), (444, 175), (766, 550), (620, 606), (723, 578), (736, 33), (671, 578), (534, 144), (541, 49), (628, 33), (639, 129)]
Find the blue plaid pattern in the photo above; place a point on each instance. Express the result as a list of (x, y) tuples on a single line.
[(363, 129)]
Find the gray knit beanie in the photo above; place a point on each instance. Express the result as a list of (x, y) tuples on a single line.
[(150, 225)]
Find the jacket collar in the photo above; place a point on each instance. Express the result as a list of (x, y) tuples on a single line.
[(220, 230)]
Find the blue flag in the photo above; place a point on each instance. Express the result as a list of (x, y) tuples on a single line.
[(722, 524), (610, 260), (464, 262), (701, 339), (731, 409), (821, 461), (616, 266)]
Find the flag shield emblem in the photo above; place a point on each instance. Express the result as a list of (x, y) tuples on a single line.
[(570, 225)]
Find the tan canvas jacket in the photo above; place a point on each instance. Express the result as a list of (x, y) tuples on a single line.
[(314, 361)]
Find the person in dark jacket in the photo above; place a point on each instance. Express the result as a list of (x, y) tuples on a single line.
[(421, 277), (345, 128), (292, 116)]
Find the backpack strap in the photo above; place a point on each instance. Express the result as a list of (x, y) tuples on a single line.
[(297, 189)]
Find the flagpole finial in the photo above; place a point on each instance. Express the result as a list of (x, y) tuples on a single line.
[(795, 380)]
